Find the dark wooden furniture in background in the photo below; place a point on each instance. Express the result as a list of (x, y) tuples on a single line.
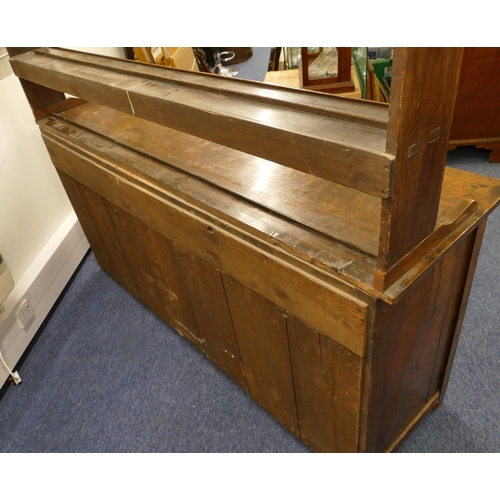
[(315, 248), (477, 111), (340, 83)]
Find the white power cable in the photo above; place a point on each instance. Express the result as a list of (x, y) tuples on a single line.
[(15, 376), (4, 55)]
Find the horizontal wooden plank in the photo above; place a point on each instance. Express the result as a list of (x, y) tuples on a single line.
[(331, 311), (314, 252), (331, 147), (374, 114), (320, 205)]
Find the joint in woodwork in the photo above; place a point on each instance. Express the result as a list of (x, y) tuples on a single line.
[(434, 135), (413, 149)]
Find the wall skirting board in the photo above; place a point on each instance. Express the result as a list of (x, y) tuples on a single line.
[(41, 285)]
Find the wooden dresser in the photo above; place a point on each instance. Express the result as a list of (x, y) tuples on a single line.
[(315, 248), (476, 120)]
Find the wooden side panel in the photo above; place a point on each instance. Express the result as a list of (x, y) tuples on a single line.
[(453, 273), (408, 348), (423, 90), (262, 337), (208, 300), (327, 381), (459, 310)]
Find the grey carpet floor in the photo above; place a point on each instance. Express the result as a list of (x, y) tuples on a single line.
[(106, 375), (256, 67)]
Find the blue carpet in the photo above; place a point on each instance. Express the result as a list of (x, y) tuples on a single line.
[(256, 67)]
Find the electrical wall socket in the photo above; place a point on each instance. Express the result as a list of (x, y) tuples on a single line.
[(24, 314)]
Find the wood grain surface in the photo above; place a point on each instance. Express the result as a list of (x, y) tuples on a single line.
[(304, 296), (421, 111), (327, 380), (336, 305), (260, 329)]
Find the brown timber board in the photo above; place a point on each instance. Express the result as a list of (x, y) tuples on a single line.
[(38, 96), (458, 317), (208, 300), (137, 259), (420, 117), (85, 219), (168, 280), (333, 148), (326, 207), (327, 380), (260, 329), (454, 273), (368, 112), (118, 264), (282, 235)]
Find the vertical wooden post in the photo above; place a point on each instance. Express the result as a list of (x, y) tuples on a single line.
[(423, 92)]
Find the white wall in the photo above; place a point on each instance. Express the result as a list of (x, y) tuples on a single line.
[(33, 203), (36, 218)]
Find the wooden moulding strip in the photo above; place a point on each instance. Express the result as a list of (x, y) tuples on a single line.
[(334, 149), (338, 315), (460, 212), (371, 113)]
